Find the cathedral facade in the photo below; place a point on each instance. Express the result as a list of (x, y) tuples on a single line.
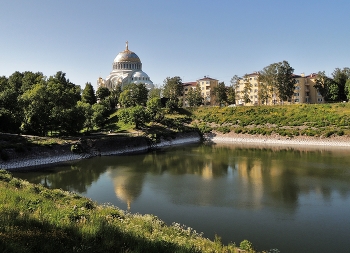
[(127, 68)]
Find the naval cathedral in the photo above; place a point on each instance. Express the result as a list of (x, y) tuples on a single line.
[(127, 68)]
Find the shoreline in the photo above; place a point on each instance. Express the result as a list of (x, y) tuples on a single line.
[(277, 140), (44, 157)]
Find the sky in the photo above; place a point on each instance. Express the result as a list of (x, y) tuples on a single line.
[(186, 38)]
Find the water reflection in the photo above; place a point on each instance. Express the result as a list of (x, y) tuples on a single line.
[(292, 199), (213, 175)]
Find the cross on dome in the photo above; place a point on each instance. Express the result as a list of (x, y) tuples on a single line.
[(127, 46)]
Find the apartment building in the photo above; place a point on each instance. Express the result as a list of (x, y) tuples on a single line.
[(248, 87), (206, 86)]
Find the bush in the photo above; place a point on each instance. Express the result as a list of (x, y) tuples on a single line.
[(246, 245)]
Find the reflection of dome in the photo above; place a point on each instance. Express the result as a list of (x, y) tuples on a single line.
[(127, 183)]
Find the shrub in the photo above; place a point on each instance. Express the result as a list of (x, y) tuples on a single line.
[(246, 245)]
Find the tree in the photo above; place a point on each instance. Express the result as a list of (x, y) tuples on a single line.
[(267, 83), (133, 94), (285, 81), (347, 89), (102, 93), (154, 93), (154, 108), (194, 96), (340, 77), (62, 97), (231, 95), (136, 115), (88, 95), (326, 87), (37, 109), (220, 93), (247, 89), (172, 89), (235, 81)]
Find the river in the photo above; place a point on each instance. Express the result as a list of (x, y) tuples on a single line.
[(295, 200)]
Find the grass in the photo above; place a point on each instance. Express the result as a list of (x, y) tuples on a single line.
[(36, 219), (292, 120)]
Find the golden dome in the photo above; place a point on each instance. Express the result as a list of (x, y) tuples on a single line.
[(127, 56)]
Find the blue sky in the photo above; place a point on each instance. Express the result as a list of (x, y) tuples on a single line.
[(189, 38)]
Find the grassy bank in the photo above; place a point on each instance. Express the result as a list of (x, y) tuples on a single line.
[(36, 219), (291, 120)]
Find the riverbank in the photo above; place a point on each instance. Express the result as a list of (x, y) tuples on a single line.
[(277, 140), (38, 156), (36, 219)]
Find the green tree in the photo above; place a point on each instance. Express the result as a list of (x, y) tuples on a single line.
[(99, 115), (88, 95), (155, 92), (172, 89), (220, 94), (340, 77), (36, 110), (277, 82), (231, 95), (194, 96), (154, 108), (326, 87), (63, 96), (347, 89), (102, 93), (136, 115), (246, 90), (285, 81), (133, 94)]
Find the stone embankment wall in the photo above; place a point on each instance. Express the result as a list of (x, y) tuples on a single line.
[(43, 156)]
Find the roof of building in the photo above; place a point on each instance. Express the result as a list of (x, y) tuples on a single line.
[(190, 84), (207, 78)]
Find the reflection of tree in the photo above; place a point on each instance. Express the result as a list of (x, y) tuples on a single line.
[(207, 175), (77, 177)]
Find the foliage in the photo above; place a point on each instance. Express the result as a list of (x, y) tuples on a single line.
[(133, 94), (154, 108), (154, 93), (102, 93), (194, 96), (276, 79), (172, 89), (247, 89), (231, 95), (347, 89), (291, 120), (326, 87), (220, 94), (88, 95), (340, 77), (285, 81), (246, 245), (136, 115)]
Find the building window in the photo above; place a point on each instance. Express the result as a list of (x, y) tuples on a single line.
[(296, 100), (297, 87), (318, 93), (207, 82), (255, 90), (319, 99), (297, 81), (296, 94), (256, 85)]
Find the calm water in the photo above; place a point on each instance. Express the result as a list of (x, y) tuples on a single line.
[(291, 199)]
